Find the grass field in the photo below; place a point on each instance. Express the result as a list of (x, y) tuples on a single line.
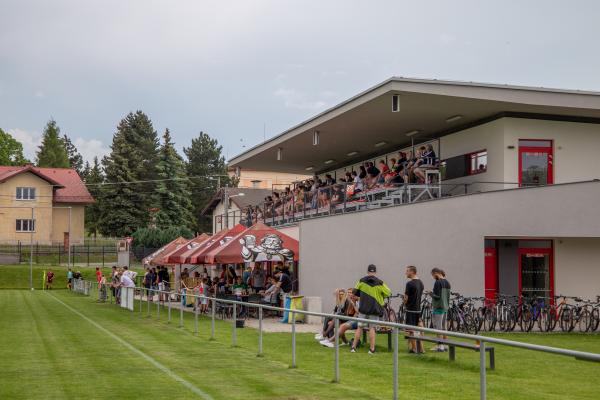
[(62, 345), (17, 276)]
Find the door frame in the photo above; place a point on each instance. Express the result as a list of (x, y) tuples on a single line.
[(490, 253), (549, 150), (550, 252)]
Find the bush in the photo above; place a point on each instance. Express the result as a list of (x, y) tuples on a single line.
[(155, 237)]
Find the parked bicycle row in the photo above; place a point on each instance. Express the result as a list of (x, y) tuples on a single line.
[(507, 313)]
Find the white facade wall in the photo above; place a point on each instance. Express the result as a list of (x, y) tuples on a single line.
[(219, 218), (449, 233), (577, 267), (576, 147)]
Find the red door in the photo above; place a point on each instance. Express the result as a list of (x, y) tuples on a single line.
[(536, 162), (491, 274), (536, 272)]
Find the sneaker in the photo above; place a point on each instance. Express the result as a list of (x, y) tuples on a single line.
[(352, 350), (371, 351), (343, 344), (319, 337), (327, 343), (436, 348)]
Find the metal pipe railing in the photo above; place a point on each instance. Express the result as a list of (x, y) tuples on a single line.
[(395, 327)]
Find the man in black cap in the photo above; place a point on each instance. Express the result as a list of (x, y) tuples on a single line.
[(371, 292)]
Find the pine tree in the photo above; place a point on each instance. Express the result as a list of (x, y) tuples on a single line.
[(52, 152), (75, 159), (11, 150), (125, 206), (93, 178), (205, 167), (173, 191)]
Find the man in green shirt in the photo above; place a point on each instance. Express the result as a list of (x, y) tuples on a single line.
[(440, 302)]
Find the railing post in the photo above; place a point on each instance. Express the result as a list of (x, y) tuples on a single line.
[(395, 344), (196, 316), (482, 383), (260, 332), (158, 306), (148, 300), (293, 339), (234, 332), (212, 322), (181, 311), (169, 301), (336, 332), (141, 299)]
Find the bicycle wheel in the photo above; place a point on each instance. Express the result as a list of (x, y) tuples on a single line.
[(584, 320), (525, 319), (490, 320), (543, 320), (400, 315), (552, 319), (426, 317), (469, 325), (565, 320), (595, 319), (452, 324)]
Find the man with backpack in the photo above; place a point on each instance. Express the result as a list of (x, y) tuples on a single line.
[(371, 292)]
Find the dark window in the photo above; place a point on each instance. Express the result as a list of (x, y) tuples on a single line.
[(25, 225), (464, 165), (25, 193)]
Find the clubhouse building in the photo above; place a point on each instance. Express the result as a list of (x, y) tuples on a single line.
[(509, 204)]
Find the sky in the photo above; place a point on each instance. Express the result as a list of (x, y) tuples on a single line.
[(243, 71)]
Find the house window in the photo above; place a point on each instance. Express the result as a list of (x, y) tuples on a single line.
[(25, 193), (477, 162), (25, 225)]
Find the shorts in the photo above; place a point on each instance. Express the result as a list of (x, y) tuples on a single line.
[(412, 318), (352, 325), (374, 318), (439, 321)]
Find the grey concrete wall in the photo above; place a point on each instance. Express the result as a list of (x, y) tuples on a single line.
[(508, 266), (334, 251)]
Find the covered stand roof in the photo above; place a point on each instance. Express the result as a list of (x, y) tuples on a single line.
[(257, 243), (366, 126), (218, 239), (159, 256), (179, 255)]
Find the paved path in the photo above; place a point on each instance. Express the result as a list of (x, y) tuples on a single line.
[(271, 325)]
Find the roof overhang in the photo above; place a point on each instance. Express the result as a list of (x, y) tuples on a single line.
[(361, 122)]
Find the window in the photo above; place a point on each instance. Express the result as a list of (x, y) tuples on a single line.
[(464, 165), (25, 193), (477, 162), (25, 225)]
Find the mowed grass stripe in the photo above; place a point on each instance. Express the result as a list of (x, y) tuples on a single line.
[(140, 353), (88, 364)]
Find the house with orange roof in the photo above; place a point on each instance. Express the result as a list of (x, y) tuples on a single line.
[(43, 204)]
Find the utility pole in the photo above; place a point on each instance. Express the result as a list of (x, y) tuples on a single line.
[(31, 252)]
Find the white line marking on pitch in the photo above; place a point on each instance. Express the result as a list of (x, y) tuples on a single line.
[(140, 353)]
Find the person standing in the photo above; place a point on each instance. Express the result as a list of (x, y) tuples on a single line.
[(440, 300), (412, 300), (98, 274), (257, 278), (49, 279), (371, 293), (69, 279)]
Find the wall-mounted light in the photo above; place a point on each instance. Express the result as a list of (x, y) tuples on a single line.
[(413, 133), (309, 168), (396, 103), (315, 138), (352, 153), (279, 153), (453, 118), (379, 144)]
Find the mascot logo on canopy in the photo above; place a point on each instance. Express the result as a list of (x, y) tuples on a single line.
[(269, 249)]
